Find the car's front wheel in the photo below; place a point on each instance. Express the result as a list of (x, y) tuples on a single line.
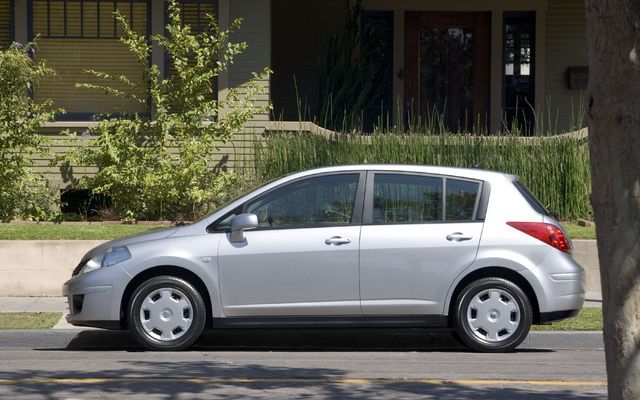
[(166, 313), (493, 315)]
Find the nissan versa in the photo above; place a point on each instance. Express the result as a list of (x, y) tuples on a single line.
[(359, 246)]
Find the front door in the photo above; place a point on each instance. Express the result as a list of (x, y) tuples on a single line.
[(447, 60), (303, 258)]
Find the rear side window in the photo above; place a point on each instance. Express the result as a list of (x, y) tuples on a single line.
[(416, 199), (531, 199), (401, 198), (461, 199)]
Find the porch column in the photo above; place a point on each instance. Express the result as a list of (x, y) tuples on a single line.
[(398, 67), (495, 91), (21, 21), (157, 28), (223, 24), (541, 12)]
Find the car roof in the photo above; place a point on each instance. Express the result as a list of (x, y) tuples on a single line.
[(474, 173)]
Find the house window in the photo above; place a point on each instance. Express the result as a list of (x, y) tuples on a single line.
[(86, 19), (195, 14), (518, 99), (6, 31)]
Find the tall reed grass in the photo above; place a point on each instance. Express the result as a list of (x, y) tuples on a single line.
[(555, 168)]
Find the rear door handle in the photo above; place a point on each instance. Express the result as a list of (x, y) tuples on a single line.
[(337, 241), (458, 237)]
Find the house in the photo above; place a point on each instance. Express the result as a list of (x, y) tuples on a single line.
[(485, 60)]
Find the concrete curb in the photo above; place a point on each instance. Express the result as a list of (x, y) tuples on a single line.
[(292, 340)]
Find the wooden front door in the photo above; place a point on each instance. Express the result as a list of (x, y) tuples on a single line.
[(447, 60)]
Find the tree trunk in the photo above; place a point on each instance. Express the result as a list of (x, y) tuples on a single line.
[(614, 138)]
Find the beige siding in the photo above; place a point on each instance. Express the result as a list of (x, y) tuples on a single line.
[(566, 46), (5, 23), (301, 32), (256, 31), (235, 154)]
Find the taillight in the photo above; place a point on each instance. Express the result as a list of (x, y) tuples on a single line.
[(548, 233)]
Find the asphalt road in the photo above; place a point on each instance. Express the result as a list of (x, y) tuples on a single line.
[(362, 374)]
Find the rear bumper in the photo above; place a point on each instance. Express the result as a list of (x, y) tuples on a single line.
[(561, 285)]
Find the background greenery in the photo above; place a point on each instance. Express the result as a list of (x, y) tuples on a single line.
[(136, 167), (22, 192), (555, 168), (29, 320)]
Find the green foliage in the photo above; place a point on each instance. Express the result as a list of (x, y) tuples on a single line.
[(22, 192), (66, 231), (347, 76), (588, 319), (29, 320), (158, 164), (555, 168)]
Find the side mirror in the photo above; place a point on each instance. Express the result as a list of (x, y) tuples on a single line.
[(241, 223)]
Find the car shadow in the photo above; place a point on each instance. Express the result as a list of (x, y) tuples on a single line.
[(363, 339)]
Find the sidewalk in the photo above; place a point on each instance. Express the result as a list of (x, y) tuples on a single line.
[(38, 304)]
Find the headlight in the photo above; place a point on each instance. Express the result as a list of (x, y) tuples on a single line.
[(107, 259)]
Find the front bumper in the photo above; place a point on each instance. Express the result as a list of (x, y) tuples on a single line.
[(94, 298)]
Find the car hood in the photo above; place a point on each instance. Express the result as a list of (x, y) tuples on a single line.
[(154, 234)]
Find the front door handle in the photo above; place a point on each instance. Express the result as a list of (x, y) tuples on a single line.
[(337, 241), (458, 237)]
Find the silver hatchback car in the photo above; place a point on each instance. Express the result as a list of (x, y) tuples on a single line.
[(358, 246)]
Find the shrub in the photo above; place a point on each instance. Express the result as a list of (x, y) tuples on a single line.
[(23, 193), (158, 164), (555, 168)]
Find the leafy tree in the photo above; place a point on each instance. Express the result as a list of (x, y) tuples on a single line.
[(22, 192), (614, 140), (137, 167)]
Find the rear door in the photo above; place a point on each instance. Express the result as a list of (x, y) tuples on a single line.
[(419, 232)]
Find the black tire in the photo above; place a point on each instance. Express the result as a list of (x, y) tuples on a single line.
[(507, 292), (180, 292)]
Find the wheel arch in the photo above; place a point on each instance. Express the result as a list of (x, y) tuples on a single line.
[(169, 270), (495, 272)]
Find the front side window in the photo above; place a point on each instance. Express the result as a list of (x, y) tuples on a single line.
[(401, 198), (318, 201)]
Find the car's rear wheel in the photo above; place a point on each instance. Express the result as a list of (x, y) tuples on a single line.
[(493, 315), (166, 313)]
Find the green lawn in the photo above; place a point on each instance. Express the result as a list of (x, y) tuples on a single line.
[(29, 320), (94, 231), (576, 231), (589, 319)]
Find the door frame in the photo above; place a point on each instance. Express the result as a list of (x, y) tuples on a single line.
[(481, 22)]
